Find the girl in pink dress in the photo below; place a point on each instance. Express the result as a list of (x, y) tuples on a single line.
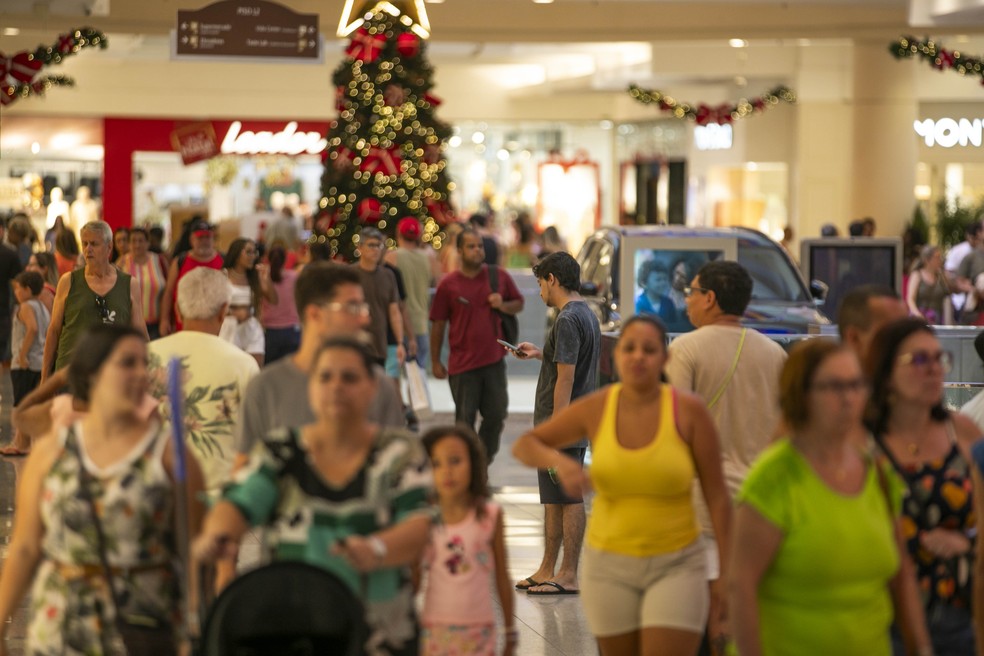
[(466, 549)]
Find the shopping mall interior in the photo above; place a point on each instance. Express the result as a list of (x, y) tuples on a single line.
[(537, 95)]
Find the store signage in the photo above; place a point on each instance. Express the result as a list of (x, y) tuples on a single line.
[(285, 142), (713, 137), (243, 28), (195, 142), (949, 132)]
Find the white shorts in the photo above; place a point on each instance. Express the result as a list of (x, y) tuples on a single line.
[(622, 594)]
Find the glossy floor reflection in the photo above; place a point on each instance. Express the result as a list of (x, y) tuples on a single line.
[(549, 626)]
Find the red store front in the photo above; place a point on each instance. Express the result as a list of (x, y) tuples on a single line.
[(161, 171)]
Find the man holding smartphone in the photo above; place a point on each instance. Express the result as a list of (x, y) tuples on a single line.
[(570, 370), (476, 371)]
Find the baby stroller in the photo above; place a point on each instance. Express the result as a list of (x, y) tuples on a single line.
[(285, 609)]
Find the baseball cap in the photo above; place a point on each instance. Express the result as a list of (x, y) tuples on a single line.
[(201, 226), (409, 228)]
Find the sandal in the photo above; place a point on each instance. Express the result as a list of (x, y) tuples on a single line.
[(11, 451)]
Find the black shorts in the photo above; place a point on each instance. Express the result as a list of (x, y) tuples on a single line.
[(24, 381), (550, 492)]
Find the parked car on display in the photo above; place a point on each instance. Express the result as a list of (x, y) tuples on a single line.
[(650, 265)]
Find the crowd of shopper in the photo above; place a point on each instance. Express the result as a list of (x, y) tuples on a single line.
[(812, 502)]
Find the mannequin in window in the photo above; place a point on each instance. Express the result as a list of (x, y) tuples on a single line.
[(84, 209), (57, 206)]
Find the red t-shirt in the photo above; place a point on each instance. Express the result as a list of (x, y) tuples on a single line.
[(464, 303)]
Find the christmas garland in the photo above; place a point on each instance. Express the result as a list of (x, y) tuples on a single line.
[(936, 56), (19, 73), (704, 114)]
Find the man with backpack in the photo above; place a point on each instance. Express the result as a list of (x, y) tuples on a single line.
[(477, 300)]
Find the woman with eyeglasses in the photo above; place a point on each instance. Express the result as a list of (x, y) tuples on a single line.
[(818, 560), (930, 449)]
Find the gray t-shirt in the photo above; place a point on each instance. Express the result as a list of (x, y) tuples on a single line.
[(278, 397), (972, 265), (575, 338)]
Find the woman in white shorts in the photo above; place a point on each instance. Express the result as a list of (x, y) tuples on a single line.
[(644, 581)]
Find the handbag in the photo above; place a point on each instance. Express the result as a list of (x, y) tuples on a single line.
[(510, 324), (419, 394), (141, 635)]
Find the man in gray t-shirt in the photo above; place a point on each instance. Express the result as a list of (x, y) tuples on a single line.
[(570, 370), (330, 303)]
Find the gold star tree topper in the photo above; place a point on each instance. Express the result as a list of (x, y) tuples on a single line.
[(412, 12)]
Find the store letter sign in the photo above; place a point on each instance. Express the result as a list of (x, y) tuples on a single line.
[(286, 142), (948, 132)]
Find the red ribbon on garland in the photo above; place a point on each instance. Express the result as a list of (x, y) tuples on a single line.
[(909, 47), (704, 114), (19, 73), (381, 160)]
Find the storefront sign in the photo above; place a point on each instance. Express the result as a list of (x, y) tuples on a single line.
[(248, 28), (713, 137), (948, 132), (285, 142), (195, 142), (12, 193)]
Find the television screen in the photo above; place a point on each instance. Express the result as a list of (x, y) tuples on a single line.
[(843, 264), (660, 276)]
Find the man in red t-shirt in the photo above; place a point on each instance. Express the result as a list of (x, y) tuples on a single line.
[(476, 371), (202, 253)]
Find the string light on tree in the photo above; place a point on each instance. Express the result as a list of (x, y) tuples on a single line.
[(940, 58)]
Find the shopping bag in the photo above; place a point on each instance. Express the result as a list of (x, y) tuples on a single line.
[(419, 394)]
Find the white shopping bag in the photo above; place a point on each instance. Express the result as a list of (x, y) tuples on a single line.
[(419, 394)]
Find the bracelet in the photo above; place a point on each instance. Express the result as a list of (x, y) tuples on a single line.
[(378, 547)]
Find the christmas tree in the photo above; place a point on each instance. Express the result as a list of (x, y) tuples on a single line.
[(385, 157)]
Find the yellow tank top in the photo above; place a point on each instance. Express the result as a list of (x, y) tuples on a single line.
[(642, 504)]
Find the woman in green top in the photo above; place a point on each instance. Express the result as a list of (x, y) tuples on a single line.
[(339, 494), (816, 566)]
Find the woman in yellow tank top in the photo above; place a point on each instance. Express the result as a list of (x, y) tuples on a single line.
[(644, 584)]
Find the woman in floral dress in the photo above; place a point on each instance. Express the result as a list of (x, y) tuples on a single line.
[(129, 466)]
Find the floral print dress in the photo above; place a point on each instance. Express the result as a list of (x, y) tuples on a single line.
[(71, 609)]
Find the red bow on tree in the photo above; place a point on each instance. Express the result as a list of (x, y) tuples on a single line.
[(371, 210), (440, 212), (365, 47), (381, 160), (22, 68)]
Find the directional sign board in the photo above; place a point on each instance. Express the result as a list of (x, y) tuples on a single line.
[(247, 28)]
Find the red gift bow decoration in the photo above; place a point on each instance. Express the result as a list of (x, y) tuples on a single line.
[(381, 160), (371, 210), (408, 44), (22, 67), (366, 47), (433, 100), (440, 212)]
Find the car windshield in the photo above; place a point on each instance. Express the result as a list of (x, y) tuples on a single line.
[(774, 278)]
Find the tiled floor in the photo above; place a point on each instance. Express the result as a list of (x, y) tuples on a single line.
[(548, 626)]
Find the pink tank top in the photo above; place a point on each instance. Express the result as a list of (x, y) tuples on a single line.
[(460, 565)]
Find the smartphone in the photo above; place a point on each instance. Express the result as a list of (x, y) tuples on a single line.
[(511, 347)]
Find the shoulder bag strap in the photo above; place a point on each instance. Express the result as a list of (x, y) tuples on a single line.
[(731, 372), (85, 480), (493, 270)]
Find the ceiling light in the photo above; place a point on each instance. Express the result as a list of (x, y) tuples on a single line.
[(542, 2), (35, 148), (738, 43), (11, 31)]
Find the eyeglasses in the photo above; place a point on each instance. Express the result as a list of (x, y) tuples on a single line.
[(103, 308), (689, 291), (373, 245), (923, 359), (353, 308), (855, 385)]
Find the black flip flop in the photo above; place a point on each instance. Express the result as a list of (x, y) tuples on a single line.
[(559, 590), (530, 583)]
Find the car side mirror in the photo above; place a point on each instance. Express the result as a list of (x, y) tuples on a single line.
[(589, 289), (818, 290)]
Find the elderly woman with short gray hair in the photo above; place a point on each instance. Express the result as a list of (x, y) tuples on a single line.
[(97, 294)]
